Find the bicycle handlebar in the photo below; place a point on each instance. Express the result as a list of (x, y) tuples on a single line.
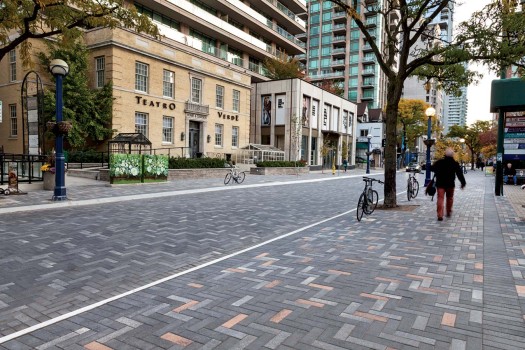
[(372, 179)]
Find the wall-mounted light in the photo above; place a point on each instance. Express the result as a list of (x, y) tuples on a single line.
[(182, 136), (208, 138)]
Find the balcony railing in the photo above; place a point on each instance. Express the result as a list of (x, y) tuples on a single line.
[(338, 50), (327, 75), (287, 12), (257, 68), (197, 108)]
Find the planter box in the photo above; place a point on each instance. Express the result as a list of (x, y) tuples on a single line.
[(200, 173), (49, 181), (279, 170)]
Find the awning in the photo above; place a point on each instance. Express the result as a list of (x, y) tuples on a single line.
[(507, 95), (361, 145)]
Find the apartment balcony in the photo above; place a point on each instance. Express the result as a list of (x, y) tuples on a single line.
[(339, 28), (338, 63), (338, 52), (339, 38), (367, 84), (197, 108), (301, 58), (339, 17), (366, 47), (324, 76), (368, 95), (371, 22), (257, 68), (186, 12), (369, 59), (296, 6), (282, 14), (368, 71), (395, 15)]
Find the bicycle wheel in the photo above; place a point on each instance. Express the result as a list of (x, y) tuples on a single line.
[(410, 189), (227, 178), (361, 206), (373, 198), (415, 188), (240, 177)]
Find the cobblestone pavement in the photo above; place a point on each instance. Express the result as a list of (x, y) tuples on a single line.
[(396, 280)]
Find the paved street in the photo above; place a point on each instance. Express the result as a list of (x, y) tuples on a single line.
[(278, 262)]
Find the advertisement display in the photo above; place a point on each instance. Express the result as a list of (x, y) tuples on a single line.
[(314, 116), (345, 122), (266, 115), (305, 113), (280, 111)]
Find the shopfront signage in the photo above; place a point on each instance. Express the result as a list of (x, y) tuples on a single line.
[(228, 116), (150, 103), (195, 116)]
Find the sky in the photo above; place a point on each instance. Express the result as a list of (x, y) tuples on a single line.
[(478, 95)]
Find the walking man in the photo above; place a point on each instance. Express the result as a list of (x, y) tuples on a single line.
[(446, 170)]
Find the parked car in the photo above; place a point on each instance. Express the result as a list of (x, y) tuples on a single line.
[(413, 167), (360, 160)]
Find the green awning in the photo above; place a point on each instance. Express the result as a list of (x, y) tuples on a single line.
[(361, 145), (507, 95)]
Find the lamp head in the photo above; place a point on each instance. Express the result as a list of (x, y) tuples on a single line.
[(369, 137), (58, 67), (430, 112)]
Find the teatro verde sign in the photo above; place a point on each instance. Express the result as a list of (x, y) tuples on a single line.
[(145, 102)]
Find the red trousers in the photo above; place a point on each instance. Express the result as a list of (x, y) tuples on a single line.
[(441, 198)]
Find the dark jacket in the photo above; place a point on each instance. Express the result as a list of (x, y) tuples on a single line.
[(446, 170), (509, 172)]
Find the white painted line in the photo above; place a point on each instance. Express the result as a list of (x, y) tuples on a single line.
[(165, 279), (77, 203)]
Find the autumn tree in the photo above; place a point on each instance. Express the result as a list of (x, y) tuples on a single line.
[(412, 47), (283, 66), (332, 86), (471, 136), (21, 20)]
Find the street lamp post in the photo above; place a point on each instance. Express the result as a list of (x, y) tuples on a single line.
[(417, 154), (430, 112), (59, 69), (369, 137)]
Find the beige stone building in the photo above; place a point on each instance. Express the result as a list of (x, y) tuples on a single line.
[(184, 104)]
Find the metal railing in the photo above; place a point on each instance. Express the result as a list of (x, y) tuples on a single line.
[(26, 166)]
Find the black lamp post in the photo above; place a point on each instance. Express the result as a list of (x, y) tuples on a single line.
[(369, 137), (430, 112), (59, 69)]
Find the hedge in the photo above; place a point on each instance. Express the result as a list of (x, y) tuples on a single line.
[(194, 163), (281, 164)]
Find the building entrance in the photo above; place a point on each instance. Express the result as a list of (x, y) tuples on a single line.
[(195, 131)]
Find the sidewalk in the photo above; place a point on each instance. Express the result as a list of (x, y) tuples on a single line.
[(396, 280)]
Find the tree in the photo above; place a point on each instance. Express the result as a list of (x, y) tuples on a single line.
[(90, 111), (471, 135), (21, 20), (412, 47), (333, 87), (283, 66)]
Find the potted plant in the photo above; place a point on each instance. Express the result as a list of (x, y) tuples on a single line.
[(48, 172)]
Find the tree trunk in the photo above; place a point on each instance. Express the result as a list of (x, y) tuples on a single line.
[(393, 97)]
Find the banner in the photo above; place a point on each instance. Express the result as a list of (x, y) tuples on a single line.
[(280, 111), (305, 112), (314, 117), (266, 112)]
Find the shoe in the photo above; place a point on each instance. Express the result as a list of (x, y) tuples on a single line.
[(449, 214), (440, 219), (523, 187)]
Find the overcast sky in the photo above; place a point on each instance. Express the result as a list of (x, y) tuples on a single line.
[(478, 95)]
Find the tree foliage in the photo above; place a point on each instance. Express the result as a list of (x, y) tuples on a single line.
[(333, 87), (90, 111), (21, 20), (413, 120), (471, 136), (413, 47), (283, 67)]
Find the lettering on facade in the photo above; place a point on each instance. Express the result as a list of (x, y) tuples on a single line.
[(228, 116), (195, 116), (325, 117), (163, 105)]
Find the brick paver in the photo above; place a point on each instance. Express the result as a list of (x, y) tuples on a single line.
[(396, 280)]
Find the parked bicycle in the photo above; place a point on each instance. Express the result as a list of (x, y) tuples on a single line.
[(412, 186), (235, 175), (368, 200)]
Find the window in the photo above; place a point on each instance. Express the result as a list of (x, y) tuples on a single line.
[(141, 76), (100, 67), (235, 136), (314, 30), (167, 129), (364, 132), (141, 123), (168, 80), (236, 100), (13, 120), (196, 90), (12, 65), (313, 64), (219, 96), (218, 134)]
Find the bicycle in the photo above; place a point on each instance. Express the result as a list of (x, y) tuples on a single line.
[(368, 200), (412, 186), (236, 175)]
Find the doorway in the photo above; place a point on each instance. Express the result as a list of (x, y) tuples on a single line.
[(195, 131)]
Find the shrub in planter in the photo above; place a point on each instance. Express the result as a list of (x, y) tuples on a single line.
[(195, 163), (281, 164)]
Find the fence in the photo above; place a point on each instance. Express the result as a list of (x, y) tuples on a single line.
[(26, 166)]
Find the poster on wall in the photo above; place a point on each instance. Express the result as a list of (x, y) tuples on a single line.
[(334, 124), (325, 118), (351, 123), (280, 111), (345, 122), (314, 116), (306, 111), (266, 116)]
